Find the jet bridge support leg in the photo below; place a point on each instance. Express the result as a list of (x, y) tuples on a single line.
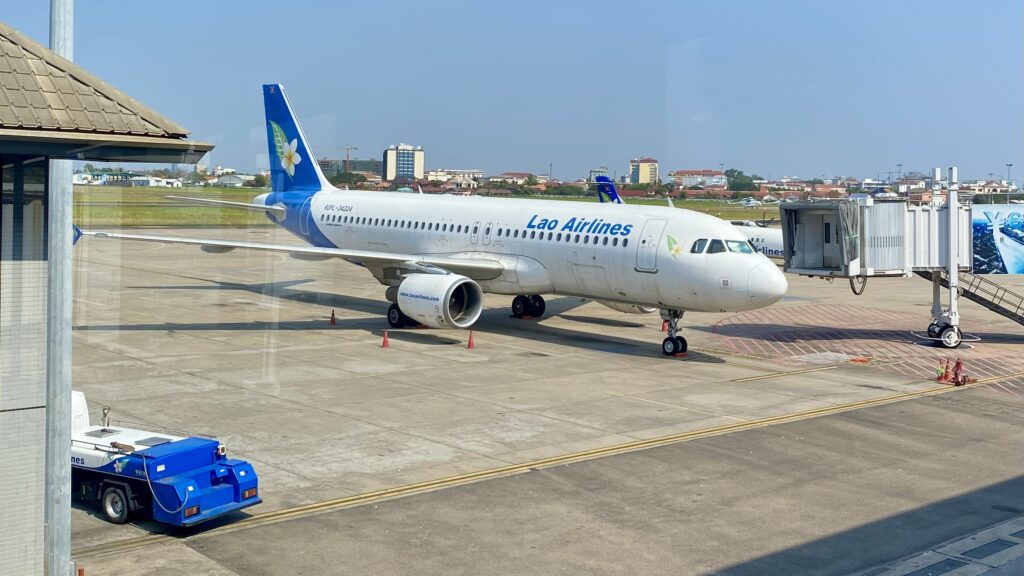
[(673, 344)]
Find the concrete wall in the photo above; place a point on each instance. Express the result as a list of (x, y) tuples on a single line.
[(23, 285)]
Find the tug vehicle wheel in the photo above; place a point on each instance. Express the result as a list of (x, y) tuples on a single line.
[(114, 505)]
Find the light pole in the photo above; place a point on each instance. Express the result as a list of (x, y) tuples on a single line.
[(1008, 181)]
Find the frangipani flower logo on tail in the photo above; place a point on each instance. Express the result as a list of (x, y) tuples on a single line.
[(673, 247), (286, 151)]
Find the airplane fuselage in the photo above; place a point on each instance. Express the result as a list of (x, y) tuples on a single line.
[(630, 253)]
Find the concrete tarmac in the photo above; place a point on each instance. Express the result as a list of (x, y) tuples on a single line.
[(238, 346)]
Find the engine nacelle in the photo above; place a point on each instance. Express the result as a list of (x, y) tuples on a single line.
[(441, 300), (629, 308)]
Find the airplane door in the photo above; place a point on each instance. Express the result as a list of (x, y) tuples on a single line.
[(487, 234), (476, 233), (647, 248), (304, 217)]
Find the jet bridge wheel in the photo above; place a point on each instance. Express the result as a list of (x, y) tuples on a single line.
[(951, 337)]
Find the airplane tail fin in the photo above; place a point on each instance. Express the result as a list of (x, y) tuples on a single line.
[(606, 188), (292, 165)]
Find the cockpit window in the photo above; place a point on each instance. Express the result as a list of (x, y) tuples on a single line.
[(739, 246), (699, 245), (716, 247)]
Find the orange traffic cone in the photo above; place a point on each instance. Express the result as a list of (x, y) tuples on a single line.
[(333, 319), (948, 374), (471, 344), (385, 343), (958, 373), (664, 325)]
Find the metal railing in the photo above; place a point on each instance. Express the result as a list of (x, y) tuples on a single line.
[(987, 293)]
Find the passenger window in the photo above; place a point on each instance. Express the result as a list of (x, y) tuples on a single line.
[(475, 229), (559, 237), (625, 241), (487, 231), (604, 242), (699, 246), (577, 239), (516, 233), (615, 241), (533, 234), (716, 247), (550, 235)]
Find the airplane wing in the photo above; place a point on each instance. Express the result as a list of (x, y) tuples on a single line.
[(246, 205), (475, 268)]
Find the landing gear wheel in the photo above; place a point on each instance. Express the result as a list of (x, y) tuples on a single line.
[(951, 337), (114, 505), (670, 346), (537, 306), (934, 330), (520, 306), (682, 344), (397, 318)]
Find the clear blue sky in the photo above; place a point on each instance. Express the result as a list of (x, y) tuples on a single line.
[(803, 88)]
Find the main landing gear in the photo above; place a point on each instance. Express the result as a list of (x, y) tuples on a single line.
[(528, 306), (674, 344), (398, 319)]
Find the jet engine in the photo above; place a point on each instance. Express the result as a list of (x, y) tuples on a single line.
[(629, 308), (441, 300)]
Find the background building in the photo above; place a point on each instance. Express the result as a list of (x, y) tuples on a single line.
[(602, 171), (403, 161), (643, 171), (703, 178)]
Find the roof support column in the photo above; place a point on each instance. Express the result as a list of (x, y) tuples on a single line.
[(57, 509)]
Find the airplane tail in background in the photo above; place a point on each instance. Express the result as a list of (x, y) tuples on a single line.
[(292, 165), (605, 187)]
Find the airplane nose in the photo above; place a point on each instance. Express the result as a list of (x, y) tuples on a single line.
[(766, 284)]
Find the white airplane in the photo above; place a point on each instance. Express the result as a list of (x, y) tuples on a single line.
[(438, 255), (767, 241)]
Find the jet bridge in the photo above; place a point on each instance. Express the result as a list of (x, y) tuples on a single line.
[(865, 237)]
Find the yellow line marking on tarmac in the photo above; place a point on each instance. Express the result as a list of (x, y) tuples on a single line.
[(779, 374), (451, 481)]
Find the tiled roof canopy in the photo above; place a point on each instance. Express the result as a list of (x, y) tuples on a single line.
[(42, 91)]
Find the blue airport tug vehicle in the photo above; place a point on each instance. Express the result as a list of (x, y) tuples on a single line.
[(171, 479)]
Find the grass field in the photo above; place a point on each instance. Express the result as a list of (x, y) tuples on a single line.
[(103, 206)]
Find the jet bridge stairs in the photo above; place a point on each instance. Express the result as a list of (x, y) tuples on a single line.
[(985, 292)]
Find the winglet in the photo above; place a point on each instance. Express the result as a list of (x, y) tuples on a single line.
[(77, 235), (605, 187), (292, 165)]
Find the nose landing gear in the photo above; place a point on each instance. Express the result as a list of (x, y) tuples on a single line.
[(673, 344)]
